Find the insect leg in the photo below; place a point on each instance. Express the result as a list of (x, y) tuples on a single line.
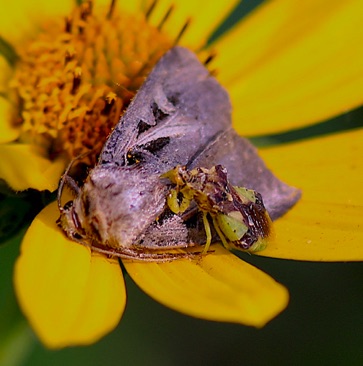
[(207, 232), (220, 234), (132, 254)]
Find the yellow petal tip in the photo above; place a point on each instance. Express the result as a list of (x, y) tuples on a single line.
[(219, 287)]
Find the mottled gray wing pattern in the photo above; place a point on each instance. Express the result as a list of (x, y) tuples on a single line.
[(178, 109)]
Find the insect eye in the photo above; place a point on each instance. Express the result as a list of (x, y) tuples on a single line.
[(76, 236), (68, 206)]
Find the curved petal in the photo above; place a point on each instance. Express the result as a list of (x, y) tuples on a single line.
[(69, 296), (7, 132), (202, 17), (20, 18), (24, 166), (292, 63), (218, 287), (326, 225)]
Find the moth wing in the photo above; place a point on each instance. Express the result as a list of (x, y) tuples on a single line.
[(246, 169), (179, 108), (172, 233)]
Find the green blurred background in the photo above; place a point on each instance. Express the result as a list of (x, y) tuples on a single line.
[(323, 324)]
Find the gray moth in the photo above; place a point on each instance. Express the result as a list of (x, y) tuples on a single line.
[(180, 117)]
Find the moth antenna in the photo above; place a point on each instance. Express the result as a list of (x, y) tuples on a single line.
[(182, 31), (65, 178), (150, 9), (144, 66), (166, 16), (127, 91)]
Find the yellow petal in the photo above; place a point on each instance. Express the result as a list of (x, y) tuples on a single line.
[(219, 287), (131, 7), (327, 224), (7, 132), (69, 296), (21, 18), (204, 18), (292, 63), (24, 166), (7, 108)]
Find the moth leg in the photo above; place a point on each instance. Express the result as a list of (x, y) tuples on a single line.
[(220, 234), (207, 232), (142, 256)]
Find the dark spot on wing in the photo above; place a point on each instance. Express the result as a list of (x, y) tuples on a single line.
[(143, 152), (133, 157), (173, 99), (142, 127), (155, 145), (158, 113)]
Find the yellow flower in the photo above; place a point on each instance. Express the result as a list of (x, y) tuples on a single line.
[(287, 65)]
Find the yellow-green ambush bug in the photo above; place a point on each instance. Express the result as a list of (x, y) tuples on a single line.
[(238, 214)]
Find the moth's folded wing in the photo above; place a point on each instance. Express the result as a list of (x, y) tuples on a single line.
[(168, 233), (178, 109)]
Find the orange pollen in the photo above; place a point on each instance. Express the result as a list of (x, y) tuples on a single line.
[(76, 78)]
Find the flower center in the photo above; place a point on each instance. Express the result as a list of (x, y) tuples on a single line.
[(75, 79)]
